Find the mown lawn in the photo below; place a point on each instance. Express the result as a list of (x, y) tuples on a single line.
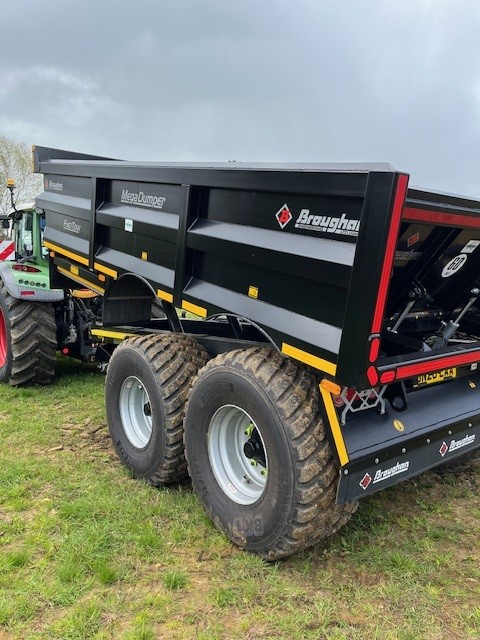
[(88, 552)]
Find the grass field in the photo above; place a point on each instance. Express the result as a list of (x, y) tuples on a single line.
[(88, 552)]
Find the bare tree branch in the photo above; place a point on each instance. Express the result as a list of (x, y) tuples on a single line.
[(16, 163)]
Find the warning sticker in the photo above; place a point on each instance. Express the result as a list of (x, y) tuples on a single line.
[(454, 265), (470, 246)]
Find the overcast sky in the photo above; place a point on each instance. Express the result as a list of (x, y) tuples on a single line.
[(280, 80)]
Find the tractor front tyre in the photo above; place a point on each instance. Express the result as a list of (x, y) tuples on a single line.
[(147, 385), (28, 340), (258, 456)]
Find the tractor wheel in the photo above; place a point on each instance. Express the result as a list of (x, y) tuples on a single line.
[(27, 340), (258, 456), (147, 385)]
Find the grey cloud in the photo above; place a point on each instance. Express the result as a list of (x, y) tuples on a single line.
[(310, 80)]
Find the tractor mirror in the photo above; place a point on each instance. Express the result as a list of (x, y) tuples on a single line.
[(5, 224)]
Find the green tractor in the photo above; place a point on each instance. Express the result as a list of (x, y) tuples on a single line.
[(35, 320)]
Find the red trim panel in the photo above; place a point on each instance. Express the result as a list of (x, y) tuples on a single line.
[(374, 349), (434, 365), (439, 217), (389, 252)]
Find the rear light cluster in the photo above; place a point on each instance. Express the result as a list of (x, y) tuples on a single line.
[(26, 268)]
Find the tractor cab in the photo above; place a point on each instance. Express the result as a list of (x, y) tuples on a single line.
[(23, 259), (25, 228)]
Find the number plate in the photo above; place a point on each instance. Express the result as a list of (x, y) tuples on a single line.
[(433, 378)]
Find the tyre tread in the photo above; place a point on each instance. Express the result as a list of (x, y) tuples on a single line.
[(292, 389), (33, 337), (175, 360)]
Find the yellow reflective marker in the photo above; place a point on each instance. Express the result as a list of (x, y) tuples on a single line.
[(195, 309), (164, 295), (399, 426), (308, 358)]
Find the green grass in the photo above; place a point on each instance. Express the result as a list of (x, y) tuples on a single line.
[(88, 552)]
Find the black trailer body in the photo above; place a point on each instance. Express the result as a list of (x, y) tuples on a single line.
[(369, 283)]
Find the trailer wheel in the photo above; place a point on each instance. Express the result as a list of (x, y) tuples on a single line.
[(147, 384), (258, 456), (27, 341)]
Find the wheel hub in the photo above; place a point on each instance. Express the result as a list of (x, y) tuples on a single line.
[(237, 454), (254, 450), (135, 412)]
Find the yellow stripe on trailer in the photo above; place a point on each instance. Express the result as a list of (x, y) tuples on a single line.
[(335, 426), (66, 252), (81, 280), (107, 270), (308, 358), (164, 295), (195, 309)]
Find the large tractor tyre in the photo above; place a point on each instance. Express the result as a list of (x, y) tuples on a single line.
[(28, 340), (147, 385), (258, 456)]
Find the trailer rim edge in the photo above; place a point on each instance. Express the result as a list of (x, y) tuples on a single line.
[(242, 478), (135, 411)]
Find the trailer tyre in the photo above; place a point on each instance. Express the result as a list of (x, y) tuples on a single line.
[(27, 340), (147, 384), (258, 456)]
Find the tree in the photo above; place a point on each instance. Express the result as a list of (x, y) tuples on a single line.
[(16, 163)]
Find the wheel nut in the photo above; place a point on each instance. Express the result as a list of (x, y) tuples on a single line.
[(263, 472), (249, 430), (253, 463)]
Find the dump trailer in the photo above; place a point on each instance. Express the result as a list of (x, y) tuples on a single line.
[(335, 341)]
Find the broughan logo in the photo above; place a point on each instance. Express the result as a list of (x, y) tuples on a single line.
[(142, 199), (70, 225), (400, 467), (458, 444), (327, 224)]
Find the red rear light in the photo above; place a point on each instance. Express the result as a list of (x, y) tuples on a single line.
[(372, 375), (65, 351), (387, 376), (25, 267)]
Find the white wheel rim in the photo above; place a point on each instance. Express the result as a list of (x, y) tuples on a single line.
[(242, 478), (135, 412)]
